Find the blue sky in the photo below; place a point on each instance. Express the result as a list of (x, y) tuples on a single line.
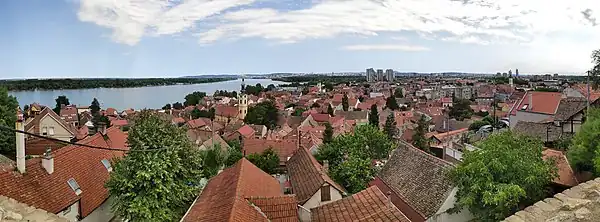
[(158, 38)]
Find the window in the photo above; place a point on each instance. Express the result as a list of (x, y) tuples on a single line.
[(44, 130), (73, 184), (51, 131), (325, 195), (106, 164)]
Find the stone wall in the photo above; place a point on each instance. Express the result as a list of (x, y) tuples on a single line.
[(13, 211), (578, 204)]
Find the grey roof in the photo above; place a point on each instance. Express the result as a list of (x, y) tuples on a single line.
[(5, 160), (353, 115), (418, 178), (546, 132), (451, 124), (569, 107)]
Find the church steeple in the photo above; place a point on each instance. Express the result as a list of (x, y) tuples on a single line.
[(242, 101), (243, 83)]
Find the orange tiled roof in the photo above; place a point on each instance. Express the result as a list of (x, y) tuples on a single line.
[(51, 192), (542, 102), (566, 176), (229, 195), (307, 175), (368, 205)]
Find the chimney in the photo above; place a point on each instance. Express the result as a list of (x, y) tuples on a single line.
[(20, 139), (444, 122), (102, 128), (389, 197), (48, 161), (326, 166), (530, 104)]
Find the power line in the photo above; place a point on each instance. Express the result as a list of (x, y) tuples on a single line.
[(78, 144)]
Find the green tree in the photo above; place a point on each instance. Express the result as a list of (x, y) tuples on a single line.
[(390, 126), (330, 110), (328, 133), (419, 139), (584, 150), (270, 87), (8, 117), (374, 116), (350, 156), (594, 72), (495, 180), (234, 154), (298, 111), (254, 90), (398, 93), (178, 106), (391, 103), (213, 160), (95, 107), (328, 86), (155, 185), (167, 107), (267, 161), (197, 113), (361, 99), (264, 113), (194, 98), (461, 109), (477, 125), (345, 104), (60, 100), (305, 91)]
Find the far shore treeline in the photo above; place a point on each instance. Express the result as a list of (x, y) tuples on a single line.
[(53, 84)]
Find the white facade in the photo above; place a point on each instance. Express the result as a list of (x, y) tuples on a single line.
[(71, 213), (442, 216), (101, 214), (315, 200), (52, 128)]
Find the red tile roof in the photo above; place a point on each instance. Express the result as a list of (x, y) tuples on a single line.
[(566, 176), (52, 192), (119, 122), (320, 117), (368, 205), (111, 112), (178, 120), (37, 146), (228, 197), (69, 114), (82, 133), (284, 148), (246, 131), (307, 175), (226, 111), (542, 102), (277, 209), (196, 123)]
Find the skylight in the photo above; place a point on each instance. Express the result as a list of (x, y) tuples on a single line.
[(525, 107), (73, 184), (106, 164)]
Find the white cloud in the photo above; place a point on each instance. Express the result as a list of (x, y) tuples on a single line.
[(130, 20), (465, 21), (406, 48)]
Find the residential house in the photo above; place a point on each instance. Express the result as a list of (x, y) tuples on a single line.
[(547, 132), (242, 193), (111, 112), (225, 114), (12, 209), (570, 114), (446, 102), (69, 115), (260, 131), (47, 123), (244, 132), (62, 182), (440, 142), (418, 185), (284, 147), (359, 117), (310, 182), (215, 140), (535, 107), (34, 109), (368, 205)]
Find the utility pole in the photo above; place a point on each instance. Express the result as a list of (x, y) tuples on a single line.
[(589, 73)]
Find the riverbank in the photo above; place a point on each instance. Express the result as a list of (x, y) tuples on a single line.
[(59, 84)]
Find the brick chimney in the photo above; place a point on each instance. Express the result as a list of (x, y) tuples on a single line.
[(20, 140), (48, 161), (326, 166)]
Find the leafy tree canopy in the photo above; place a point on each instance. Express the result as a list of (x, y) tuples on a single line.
[(178, 105), (391, 103), (494, 181), (390, 128), (267, 161), (225, 93), (419, 139), (156, 185), (167, 107), (328, 133), (61, 100), (330, 110), (374, 116), (461, 109), (264, 113), (95, 107), (398, 93), (197, 113), (194, 98), (584, 152), (345, 104), (8, 117)]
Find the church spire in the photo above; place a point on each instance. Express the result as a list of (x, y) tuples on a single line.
[(243, 83)]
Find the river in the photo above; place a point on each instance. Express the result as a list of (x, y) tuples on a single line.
[(153, 97)]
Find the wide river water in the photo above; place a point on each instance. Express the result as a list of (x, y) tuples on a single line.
[(153, 97)]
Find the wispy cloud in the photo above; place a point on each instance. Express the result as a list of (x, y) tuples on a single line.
[(405, 48), (479, 22)]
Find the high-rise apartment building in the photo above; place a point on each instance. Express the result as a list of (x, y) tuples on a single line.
[(380, 75), (371, 77), (389, 75)]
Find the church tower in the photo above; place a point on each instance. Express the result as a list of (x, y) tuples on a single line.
[(242, 101)]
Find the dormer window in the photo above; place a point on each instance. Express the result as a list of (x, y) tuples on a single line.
[(73, 184), (106, 164)]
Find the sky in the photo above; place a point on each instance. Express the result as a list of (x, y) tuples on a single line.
[(171, 38)]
